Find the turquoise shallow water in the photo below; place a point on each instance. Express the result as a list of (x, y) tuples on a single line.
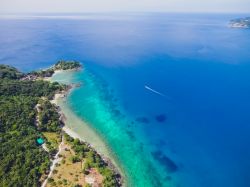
[(97, 106), (195, 132)]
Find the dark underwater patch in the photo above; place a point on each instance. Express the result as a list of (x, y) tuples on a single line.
[(141, 147), (131, 135), (116, 112), (161, 118), (168, 164), (168, 178), (142, 120)]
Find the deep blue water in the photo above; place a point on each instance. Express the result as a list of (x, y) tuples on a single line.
[(197, 62)]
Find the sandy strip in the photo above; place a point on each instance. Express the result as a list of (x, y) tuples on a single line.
[(71, 133), (77, 128)]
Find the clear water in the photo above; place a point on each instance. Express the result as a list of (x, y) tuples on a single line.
[(196, 132)]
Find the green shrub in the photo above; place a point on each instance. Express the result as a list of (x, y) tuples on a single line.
[(75, 159)]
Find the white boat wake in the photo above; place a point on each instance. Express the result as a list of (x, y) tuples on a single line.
[(154, 91)]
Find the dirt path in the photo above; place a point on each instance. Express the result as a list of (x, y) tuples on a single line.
[(54, 162)]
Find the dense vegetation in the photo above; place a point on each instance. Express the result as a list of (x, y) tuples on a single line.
[(42, 73), (39, 88), (9, 72), (22, 162), (49, 119), (65, 65), (92, 160)]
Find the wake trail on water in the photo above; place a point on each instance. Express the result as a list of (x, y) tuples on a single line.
[(154, 91)]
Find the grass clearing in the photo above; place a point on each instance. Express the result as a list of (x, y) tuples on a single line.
[(53, 139), (69, 173)]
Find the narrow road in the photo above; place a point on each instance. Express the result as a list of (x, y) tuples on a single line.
[(54, 162)]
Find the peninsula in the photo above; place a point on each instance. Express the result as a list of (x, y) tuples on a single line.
[(35, 150)]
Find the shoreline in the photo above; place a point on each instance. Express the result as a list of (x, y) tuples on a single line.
[(85, 133)]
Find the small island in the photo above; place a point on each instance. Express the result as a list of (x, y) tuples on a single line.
[(35, 150), (240, 23)]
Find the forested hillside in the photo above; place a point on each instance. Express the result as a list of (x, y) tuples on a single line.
[(22, 161)]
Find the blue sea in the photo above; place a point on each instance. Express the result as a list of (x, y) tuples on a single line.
[(168, 93)]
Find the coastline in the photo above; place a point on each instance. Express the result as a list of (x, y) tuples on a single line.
[(76, 127)]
